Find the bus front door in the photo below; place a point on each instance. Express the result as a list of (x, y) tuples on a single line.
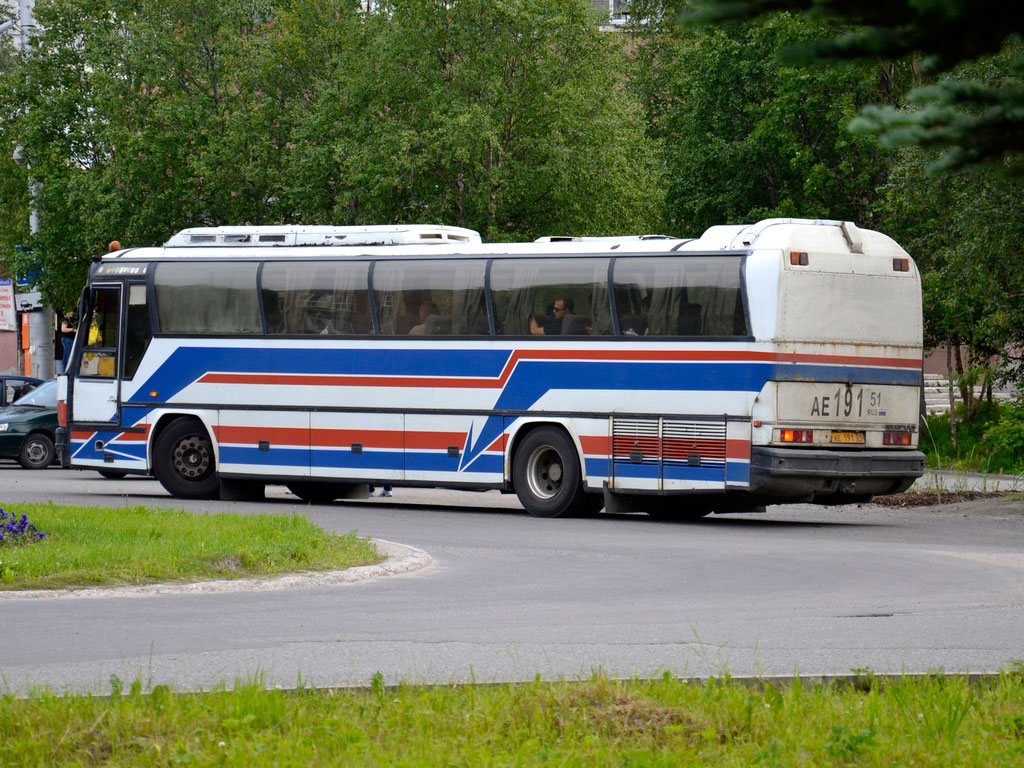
[(95, 396)]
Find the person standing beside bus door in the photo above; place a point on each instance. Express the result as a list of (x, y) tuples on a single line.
[(67, 336)]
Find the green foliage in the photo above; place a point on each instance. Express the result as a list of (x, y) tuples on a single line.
[(746, 137), (963, 231), (970, 122), (991, 442), (140, 117), (507, 117)]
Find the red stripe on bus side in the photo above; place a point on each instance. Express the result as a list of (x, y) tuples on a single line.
[(596, 446), (737, 449), (341, 438), (315, 380), (322, 380)]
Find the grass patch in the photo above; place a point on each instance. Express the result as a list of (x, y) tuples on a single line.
[(91, 546), (931, 721)]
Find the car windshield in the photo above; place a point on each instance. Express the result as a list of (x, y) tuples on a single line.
[(43, 396)]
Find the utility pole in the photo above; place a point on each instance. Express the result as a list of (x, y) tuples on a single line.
[(40, 318)]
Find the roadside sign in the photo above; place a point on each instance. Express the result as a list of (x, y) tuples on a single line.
[(8, 313)]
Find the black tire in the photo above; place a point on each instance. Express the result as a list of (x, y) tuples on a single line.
[(591, 505), (313, 492), (183, 460), (112, 474), (37, 451), (546, 474)]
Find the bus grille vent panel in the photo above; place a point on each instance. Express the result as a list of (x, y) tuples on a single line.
[(633, 438), (682, 440)]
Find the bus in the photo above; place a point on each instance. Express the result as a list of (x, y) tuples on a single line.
[(770, 363)]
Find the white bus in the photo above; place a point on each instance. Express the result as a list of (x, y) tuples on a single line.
[(760, 364)]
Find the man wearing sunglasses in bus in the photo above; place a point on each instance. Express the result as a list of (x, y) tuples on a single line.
[(552, 326)]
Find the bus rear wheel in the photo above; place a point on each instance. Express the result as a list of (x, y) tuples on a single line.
[(546, 474), (183, 460)]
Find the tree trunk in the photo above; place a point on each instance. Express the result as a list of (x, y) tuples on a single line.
[(966, 391), (949, 386)]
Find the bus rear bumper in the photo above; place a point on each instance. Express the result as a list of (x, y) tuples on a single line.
[(832, 476)]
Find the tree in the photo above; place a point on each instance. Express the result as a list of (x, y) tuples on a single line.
[(140, 117), (746, 137), (964, 230), (509, 117), (969, 121)]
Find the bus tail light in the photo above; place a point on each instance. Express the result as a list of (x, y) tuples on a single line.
[(796, 436), (62, 413), (798, 259), (901, 265), (896, 437)]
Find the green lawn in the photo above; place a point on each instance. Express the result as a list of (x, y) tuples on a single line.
[(933, 721), (87, 547)]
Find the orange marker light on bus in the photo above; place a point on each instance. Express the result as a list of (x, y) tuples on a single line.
[(153, 394)]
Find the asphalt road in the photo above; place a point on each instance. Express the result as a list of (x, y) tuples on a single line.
[(509, 597)]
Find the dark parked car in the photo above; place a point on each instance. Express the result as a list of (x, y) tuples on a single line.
[(27, 427), (13, 387)]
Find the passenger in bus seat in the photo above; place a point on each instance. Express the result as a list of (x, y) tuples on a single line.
[(552, 326), (427, 308), (689, 319), (637, 325)]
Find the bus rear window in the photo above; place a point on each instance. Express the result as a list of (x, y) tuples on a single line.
[(214, 298)]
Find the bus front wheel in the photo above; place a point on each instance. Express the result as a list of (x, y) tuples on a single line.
[(546, 474), (183, 460)]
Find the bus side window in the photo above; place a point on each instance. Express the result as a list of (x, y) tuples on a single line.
[(99, 357), (325, 299), (689, 296), (138, 331), (430, 298), (526, 290), (207, 298)]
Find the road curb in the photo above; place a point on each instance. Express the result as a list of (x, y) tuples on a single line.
[(401, 558)]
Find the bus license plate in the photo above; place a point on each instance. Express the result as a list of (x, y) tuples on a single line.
[(847, 437)]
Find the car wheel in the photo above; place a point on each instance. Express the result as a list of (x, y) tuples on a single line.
[(183, 460), (546, 474), (37, 451)]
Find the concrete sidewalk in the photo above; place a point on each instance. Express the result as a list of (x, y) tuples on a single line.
[(967, 481)]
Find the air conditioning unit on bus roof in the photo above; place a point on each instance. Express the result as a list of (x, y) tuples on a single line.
[(404, 234), (608, 239)]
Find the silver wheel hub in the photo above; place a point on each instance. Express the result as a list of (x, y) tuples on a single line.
[(544, 472), (35, 451), (191, 457)]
